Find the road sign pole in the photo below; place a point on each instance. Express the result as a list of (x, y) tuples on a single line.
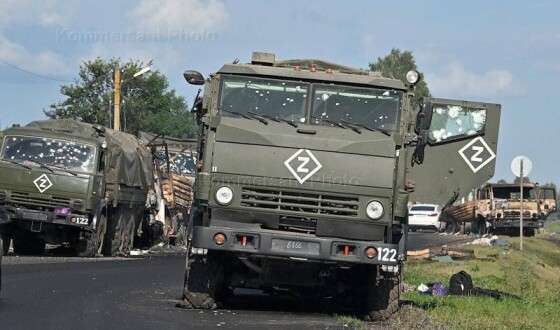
[(521, 211)]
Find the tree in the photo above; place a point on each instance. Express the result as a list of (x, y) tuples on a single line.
[(501, 181), (396, 65), (147, 103)]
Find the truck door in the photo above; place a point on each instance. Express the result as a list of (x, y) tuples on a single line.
[(459, 153)]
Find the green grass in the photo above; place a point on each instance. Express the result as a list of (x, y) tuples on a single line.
[(553, 227), (533, 275)]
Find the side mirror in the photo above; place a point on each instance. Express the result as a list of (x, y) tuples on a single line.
[(193, 77)]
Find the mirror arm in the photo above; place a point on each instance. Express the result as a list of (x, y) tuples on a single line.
[(196, 101)]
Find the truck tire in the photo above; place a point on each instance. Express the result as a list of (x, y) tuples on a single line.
[(203, 280), (6, 240), (383, 294), (91, 244), (6, 235), (451, 227), (28, 244)]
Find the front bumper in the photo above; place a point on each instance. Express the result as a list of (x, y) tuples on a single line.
[(38, 218), (295, 246), (516, 224)]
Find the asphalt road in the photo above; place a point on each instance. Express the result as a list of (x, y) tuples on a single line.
[(140, 293)]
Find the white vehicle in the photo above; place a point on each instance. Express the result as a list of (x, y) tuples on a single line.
[(425, 216)]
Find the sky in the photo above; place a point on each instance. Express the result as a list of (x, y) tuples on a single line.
[(504, 52)]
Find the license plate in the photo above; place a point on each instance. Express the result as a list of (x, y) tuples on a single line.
[(293, 246), (34, 216)]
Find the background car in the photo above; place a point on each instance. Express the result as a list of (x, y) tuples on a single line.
[(425, 216)]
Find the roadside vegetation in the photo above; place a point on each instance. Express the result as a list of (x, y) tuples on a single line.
[(533, 275)]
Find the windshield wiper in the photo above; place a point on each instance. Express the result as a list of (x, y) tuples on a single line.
[(258, 117), (235, 113), (264, 116), (17, 163), (41, 165), (329, 121), (367, 127), (278, 120), (64, 169)]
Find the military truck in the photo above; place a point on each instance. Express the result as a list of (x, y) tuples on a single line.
[(547, 201), (67, 182), (497, 207), (302, 179)]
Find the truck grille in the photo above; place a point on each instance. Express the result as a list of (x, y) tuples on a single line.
[(24, 198), (299, 202)]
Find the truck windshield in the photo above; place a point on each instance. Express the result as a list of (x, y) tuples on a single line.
[(374, 108), (271, 98), (51, 152), (331, 104)]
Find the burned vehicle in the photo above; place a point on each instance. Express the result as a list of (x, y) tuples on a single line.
[(67, 182), (547, 201), (497, 207), (174, 169), (302, 184)]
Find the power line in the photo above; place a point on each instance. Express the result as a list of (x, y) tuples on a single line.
[(32, 73)]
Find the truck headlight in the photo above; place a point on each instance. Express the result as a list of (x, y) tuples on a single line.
[(374, 210), (224, 195)]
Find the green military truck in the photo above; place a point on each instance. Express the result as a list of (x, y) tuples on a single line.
[(67, 182), (302, 179)]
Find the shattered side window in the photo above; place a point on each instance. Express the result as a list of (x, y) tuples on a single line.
[(451, 122)]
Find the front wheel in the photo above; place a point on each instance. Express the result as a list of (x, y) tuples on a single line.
[(202, 282), (383, 294), (28, 244), (91, 244)]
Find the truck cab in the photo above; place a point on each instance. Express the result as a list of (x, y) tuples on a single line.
[(63, 182), (302, 182)]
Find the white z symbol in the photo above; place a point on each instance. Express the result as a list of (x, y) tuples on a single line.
[(475, 157), (43, 183), (304, 161)]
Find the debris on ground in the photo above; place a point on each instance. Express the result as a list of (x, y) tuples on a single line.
[(446, 259), (418, 255)]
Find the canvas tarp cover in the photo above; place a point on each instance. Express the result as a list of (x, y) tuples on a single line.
[(129, 161)]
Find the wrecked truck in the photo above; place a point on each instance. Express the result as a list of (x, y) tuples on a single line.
[(302, 184), (174, 168), (67, 182), (496, 207), (547, 201)]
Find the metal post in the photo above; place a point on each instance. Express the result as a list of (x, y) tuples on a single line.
[(117, 123), (521, 210)]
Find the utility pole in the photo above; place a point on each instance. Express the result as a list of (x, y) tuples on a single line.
[(117, 103), (521, 208)]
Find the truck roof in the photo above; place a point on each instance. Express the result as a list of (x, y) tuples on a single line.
[(511, 185), (314, 69)]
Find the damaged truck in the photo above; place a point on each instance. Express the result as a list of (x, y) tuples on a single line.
[(174, 168), (496, 207), (303, 182), (67, 182)]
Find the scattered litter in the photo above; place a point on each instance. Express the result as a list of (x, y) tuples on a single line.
[(136, 252), (484, 241), (439, 290), (423, 288), (415, 255), (447, 259), (500, 242), (461, 284)]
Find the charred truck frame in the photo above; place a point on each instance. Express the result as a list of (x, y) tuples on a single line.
[(66, 182), (302, 180)]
